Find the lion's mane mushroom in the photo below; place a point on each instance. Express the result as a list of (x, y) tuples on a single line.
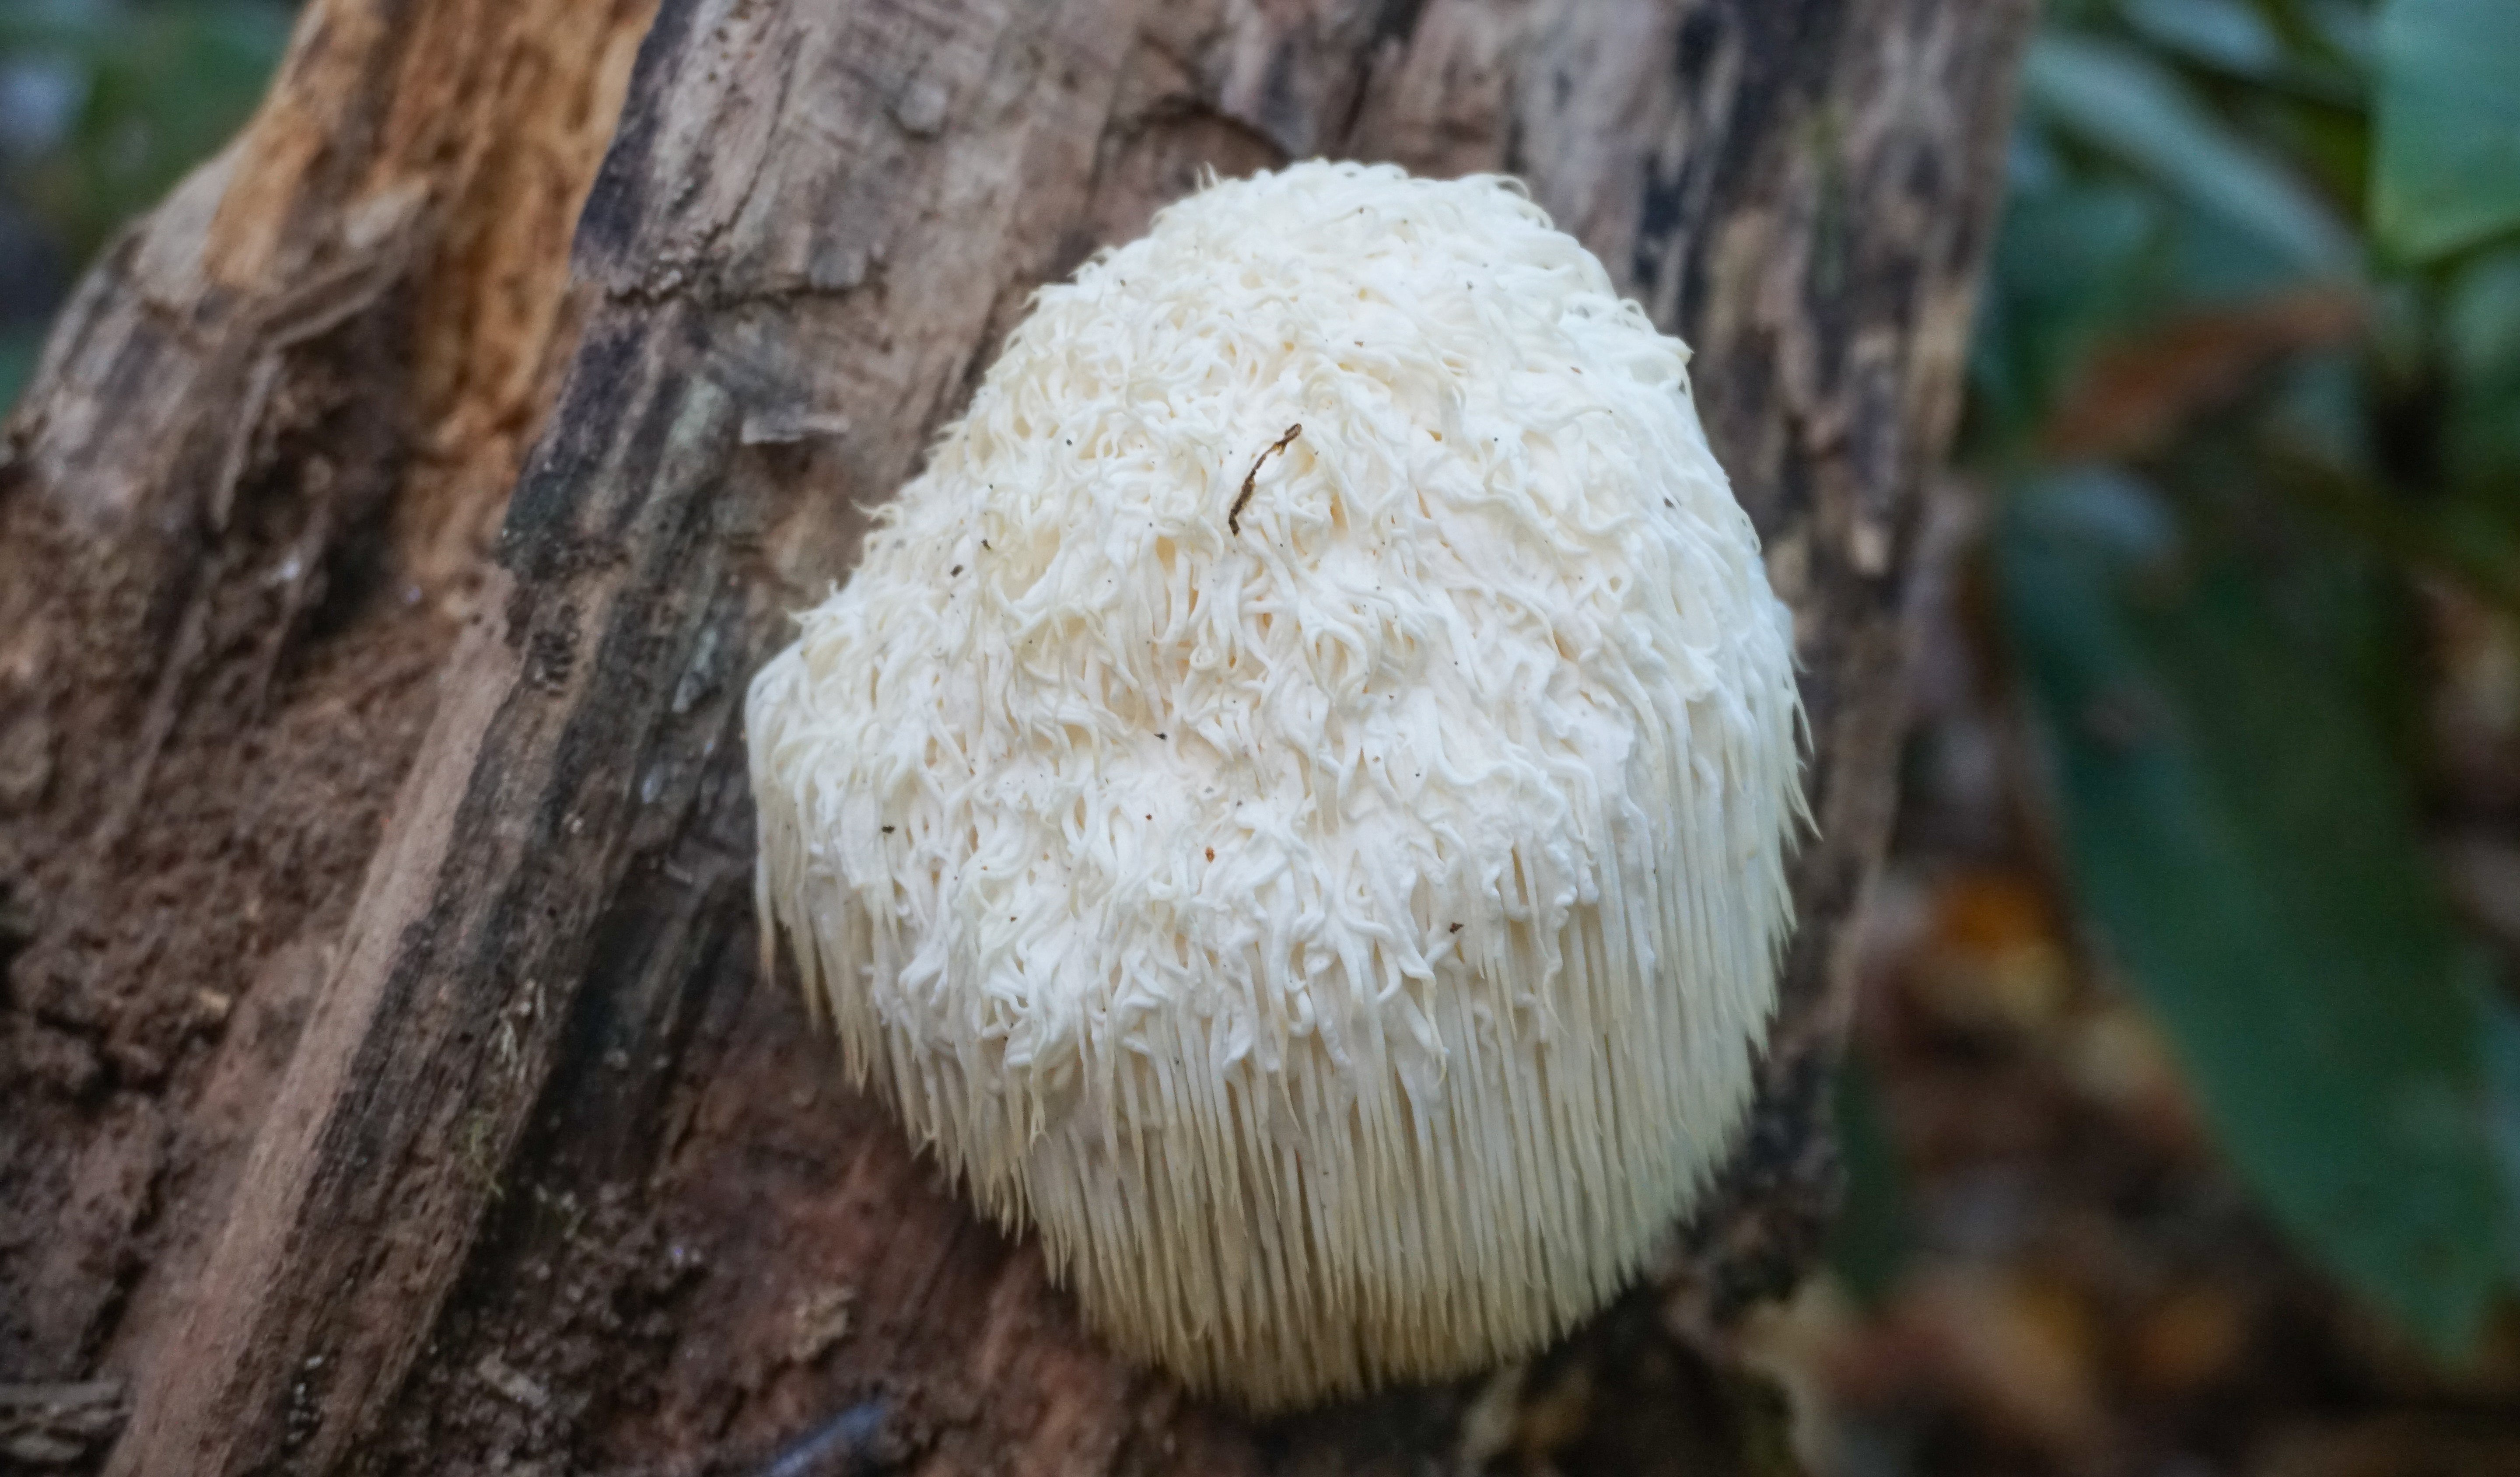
[(1293, 803)]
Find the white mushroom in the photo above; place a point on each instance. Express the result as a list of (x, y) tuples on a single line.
[(1294, 804)]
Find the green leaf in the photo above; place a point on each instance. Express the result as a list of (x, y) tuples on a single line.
[(2225, 34), (2448, 168), (2483, 317), (2237, 833), (2124, 104), (2481, 430)]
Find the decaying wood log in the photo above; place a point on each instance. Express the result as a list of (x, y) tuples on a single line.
[(392, 1084)]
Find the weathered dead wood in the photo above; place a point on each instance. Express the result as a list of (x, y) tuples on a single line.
[(243, 509), (551, 1173)]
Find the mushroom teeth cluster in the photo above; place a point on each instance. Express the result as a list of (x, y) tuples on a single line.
[(1294, 804)]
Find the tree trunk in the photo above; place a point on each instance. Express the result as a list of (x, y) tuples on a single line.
[(391, 1082)]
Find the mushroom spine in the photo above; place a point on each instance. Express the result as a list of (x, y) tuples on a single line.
[(1293, 802)]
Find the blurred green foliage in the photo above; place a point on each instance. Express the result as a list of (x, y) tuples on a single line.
[(2247, 371), (1870, 1241), (104, 105), (2249, 846), (2448, 139), (2247, 378)]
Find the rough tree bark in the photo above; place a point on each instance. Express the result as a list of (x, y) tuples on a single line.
[(390, 1085)]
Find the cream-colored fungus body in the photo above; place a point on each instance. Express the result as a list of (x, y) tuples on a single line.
[(1343, 927)]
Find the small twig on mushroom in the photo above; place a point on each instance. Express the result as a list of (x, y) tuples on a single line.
[(1234, 519)]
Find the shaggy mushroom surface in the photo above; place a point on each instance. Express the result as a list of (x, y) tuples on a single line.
[(1293, 803)]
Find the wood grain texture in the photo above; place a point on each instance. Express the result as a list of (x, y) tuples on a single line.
[(244, 508), (552, 1175)]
